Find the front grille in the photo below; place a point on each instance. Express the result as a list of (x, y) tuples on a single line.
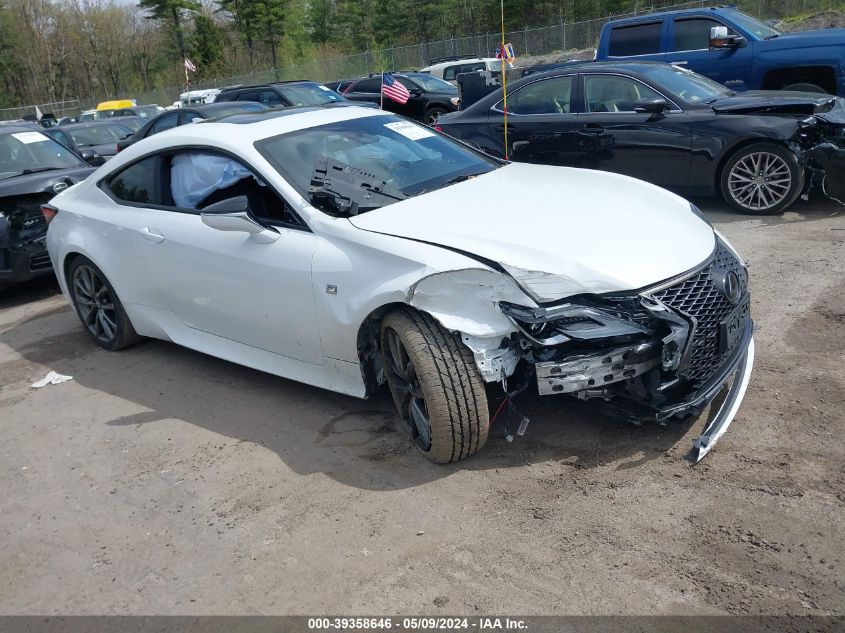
[(702, 302), (39, 262)]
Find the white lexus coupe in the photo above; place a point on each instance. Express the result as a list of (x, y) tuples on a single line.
[(347, 248)]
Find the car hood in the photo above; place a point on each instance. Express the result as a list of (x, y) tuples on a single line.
[(812, 39), (774, 102), (42, 181), (594, 231)]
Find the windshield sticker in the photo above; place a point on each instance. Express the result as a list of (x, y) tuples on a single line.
[(409, 130), (30, 137)]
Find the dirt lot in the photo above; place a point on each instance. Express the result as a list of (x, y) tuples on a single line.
[(164, 481)]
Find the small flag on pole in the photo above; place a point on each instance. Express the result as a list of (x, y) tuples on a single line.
[(393, 89), (189, 65), (506, 53)]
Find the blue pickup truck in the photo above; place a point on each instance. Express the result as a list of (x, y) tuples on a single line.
[(732, 48)]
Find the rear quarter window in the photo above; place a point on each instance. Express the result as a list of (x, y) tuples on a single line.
[(137, 184), (637, 39)]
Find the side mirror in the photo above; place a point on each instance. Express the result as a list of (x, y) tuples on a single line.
[(232, 214), (653, 106), (91, 157), (719, 39)]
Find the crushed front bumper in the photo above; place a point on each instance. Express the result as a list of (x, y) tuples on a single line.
[(737, 371)]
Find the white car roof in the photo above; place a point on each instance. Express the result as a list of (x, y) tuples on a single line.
[(469, 60)]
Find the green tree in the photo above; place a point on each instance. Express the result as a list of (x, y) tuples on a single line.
[(208, 45), (173, 13)]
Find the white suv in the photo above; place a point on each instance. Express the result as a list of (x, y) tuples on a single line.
[(449, 70)]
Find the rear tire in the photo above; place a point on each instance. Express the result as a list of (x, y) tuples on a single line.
[(98, 306), (435, 385), (432, 114), (761, 179)]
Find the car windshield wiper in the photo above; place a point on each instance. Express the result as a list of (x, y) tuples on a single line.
[(452, 181)]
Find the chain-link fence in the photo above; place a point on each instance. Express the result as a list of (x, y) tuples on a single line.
[(56, 108), (526, 42)]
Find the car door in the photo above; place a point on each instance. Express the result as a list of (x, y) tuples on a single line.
[(613, 137), (226, 283), (541, 122), (690, 48)]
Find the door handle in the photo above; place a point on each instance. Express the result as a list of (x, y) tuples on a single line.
[(151, 235), (592, 129)]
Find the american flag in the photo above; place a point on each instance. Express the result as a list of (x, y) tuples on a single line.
[(189, 65), (393, 89)]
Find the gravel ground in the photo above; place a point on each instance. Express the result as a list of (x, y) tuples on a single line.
[(164, 481)]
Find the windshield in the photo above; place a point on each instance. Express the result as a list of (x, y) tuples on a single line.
[(758, 29), (24, 152), (99, 134), (432, 84), (362, 164), (688, 85), (309, 94)]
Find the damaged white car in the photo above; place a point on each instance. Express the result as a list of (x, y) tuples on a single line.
[(347, 248)]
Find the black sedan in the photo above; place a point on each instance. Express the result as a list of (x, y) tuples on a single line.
[(95, 141), (668, 126), (174, 118), (33, 169)]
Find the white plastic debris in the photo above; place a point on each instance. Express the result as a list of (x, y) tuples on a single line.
[(51, 379)]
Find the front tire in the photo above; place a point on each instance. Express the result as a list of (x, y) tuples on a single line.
[(98, 306), (761, 179), (435, 385)]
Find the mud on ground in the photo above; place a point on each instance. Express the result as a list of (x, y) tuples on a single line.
[(163, 481)]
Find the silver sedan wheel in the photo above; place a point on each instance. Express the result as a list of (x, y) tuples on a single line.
[(760, 181), (95, 304)]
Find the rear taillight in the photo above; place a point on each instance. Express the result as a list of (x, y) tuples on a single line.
[(49, 212)]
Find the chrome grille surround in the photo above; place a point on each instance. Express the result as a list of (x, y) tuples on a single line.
[(700, 301)]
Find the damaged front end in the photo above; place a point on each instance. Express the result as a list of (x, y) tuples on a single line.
[(662, 353), (23, 231), (819, 143)]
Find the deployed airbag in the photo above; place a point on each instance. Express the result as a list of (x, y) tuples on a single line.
[(193, 177)]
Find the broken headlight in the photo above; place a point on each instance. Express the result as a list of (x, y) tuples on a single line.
[(570, 321)]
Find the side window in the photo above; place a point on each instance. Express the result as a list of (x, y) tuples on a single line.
[(640, 39), (694, 34), (138, 183), (611, 93), (367, 85), (270, 98), (249, 95), (549, 96), (62, 138), (449, 72), (200, 179), (188, 116), (164, 123)]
